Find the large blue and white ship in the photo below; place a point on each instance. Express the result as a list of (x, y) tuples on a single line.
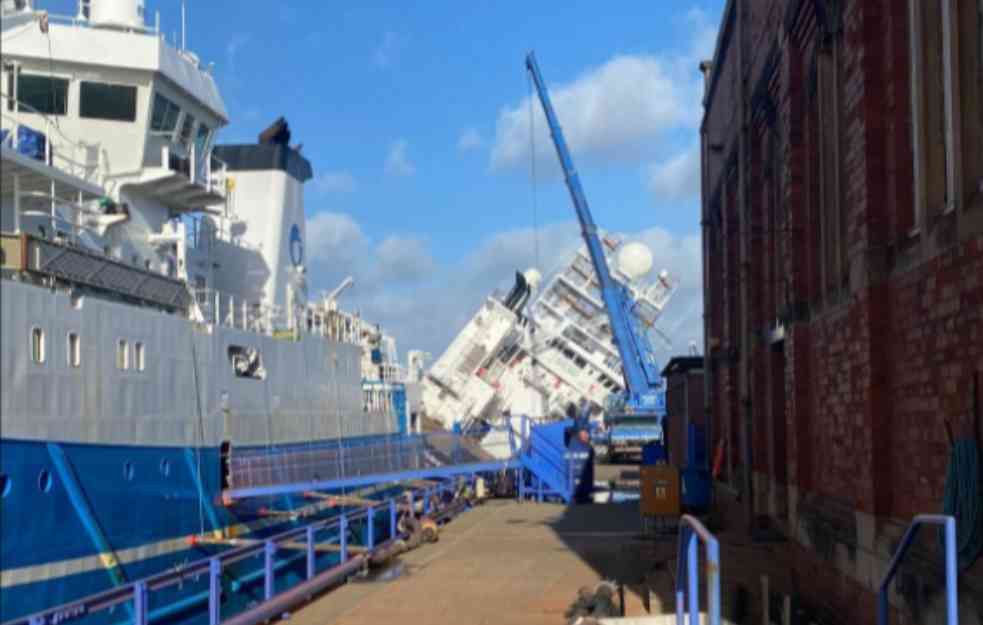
[(156, 320)]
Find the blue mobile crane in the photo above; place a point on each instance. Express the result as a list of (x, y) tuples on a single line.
[(632, 417)]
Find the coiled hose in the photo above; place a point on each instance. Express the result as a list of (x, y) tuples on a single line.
[(963, 499)]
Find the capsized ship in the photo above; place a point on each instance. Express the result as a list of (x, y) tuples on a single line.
[(534, 351), (156, 320)]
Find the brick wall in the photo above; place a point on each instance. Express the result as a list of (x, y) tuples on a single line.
[(809, 217)]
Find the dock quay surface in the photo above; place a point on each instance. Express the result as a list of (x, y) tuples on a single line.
[(509, 562)]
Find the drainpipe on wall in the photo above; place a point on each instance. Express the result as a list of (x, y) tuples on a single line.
[(706, 67)]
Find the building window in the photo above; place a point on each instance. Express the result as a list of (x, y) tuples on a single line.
[(122, 355), (37, 345), (969, 23), (138, 356), (99, 100), (74, 350), (187, 125), (164, 117), (42, 94), (931, 104), (832, 208)]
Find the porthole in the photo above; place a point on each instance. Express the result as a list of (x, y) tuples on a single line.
[(44, 481), (37, 345), (74, 350), (122, 355), (128, 471), (4, 484), (165, 467)]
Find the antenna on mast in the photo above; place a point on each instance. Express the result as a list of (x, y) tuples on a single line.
[(183, 28)]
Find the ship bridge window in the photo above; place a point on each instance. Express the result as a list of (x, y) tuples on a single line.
[(246, 362), (99, 100), (42, 94), (164, 117), (187, 125)]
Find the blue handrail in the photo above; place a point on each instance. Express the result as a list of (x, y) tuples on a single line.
[(136, 595), (951, 585), (690, 529)]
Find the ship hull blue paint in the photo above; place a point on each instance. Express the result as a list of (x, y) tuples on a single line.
[(139, 496)]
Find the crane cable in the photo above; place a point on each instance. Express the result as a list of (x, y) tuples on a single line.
[(532, 163)]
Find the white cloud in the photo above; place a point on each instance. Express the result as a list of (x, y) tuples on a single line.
[(387, 51), (338, 247), (397, 163), (677, 177), (613, 112), (335, 238), (616, 112), (340, 181), (425, 304), (403, 259), (232, 48), (470, 140)]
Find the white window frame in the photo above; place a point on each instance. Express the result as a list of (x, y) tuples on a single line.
[(73, 353)]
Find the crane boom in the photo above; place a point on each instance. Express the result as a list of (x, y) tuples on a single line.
[(641, 376)]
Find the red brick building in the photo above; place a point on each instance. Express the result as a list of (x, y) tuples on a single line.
[(842, 173)]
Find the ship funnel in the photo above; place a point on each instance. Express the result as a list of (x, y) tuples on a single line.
[(124, 14)]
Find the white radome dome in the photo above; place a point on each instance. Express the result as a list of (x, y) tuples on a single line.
[(635, 260), (533, 278)]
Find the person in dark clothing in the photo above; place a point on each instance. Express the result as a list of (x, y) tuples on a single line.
[(578, 441)]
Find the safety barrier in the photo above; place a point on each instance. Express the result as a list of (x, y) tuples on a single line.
[(135, 596), (328, 466), (687, 582), (951, 584)]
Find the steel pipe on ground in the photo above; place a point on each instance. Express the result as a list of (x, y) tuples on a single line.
[(301, 592), (289, 598)]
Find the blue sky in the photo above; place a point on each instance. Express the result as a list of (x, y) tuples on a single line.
[(415, 119)]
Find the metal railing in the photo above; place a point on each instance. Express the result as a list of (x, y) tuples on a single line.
[(206, 170), (951, 583), (228, 310), (331, 465), (136, 595), (67, 155), (687, 573)]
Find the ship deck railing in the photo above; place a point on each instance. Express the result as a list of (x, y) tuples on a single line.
[(235, 311), (65, 154)]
